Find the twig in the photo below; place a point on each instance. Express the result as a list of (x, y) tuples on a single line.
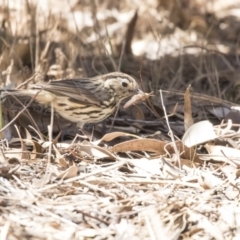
[(27, 81), (119, 164), (121, 56), (170, 131), (50, 127)]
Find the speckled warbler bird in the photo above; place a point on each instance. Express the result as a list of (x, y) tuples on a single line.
[(81, 100)]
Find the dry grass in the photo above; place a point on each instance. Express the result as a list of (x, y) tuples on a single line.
[(154, 175)]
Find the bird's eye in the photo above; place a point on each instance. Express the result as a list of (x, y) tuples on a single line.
[(124, 84)]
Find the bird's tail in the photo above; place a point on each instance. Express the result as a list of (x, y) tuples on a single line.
[(39, 95)]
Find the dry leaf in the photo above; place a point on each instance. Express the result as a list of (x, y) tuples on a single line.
[(96, 151), (151, 145), (68, 173), (188, 120), (199, 133), (110, 136), (147, 167), (222, 153), (37, 150)]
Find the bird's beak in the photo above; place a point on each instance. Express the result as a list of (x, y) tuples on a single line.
[(138, 91)]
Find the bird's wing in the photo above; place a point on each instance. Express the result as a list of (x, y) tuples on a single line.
[(76, 89)]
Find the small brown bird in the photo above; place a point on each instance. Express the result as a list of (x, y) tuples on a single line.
[(80, 100)]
